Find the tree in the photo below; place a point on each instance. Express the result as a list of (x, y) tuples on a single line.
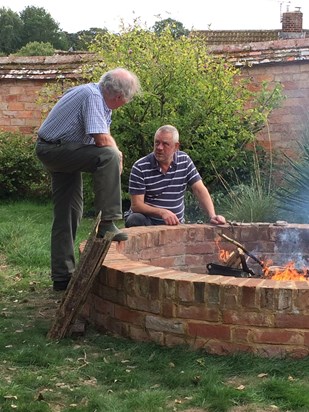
[(176, 27), (10, 31), (202, 95), (36, 48), (82, 39), (38, 25)]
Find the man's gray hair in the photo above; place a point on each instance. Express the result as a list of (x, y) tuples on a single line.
[(120, 82), (169, 129)]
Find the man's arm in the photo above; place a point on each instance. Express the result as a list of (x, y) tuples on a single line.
[(205, 200), (138, 205)]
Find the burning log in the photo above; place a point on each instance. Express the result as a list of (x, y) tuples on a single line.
[(234, 258), (240, 246), (235, 265), (235, 262), (287, 272)]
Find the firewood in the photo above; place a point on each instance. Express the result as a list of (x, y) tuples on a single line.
[(242, 248), (234, 259)]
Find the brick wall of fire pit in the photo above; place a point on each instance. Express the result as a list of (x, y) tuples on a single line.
[(155, 287)]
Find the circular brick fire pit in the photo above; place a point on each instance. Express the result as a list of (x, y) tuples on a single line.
[(155, 287)]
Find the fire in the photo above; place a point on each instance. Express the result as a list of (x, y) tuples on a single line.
[(236, 259), (288, 272), (224, 255)]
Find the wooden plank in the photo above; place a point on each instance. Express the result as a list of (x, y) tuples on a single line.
[(81, 282)]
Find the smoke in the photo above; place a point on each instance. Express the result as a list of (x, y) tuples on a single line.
[(289, 249)]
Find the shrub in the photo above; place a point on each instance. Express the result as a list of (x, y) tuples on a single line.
[(214, 108), (21, 173), (251, 199), (293, 195), (36, 48), (23, 177)]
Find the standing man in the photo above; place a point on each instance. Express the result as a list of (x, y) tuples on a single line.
[(158, 183), (74, 138)]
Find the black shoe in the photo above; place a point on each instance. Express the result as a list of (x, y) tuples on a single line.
[(105, 227), (60, 284)]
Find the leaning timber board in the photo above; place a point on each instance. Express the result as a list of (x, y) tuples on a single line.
[(80, 284)]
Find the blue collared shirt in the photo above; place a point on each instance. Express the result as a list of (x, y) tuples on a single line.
[(80, 113)]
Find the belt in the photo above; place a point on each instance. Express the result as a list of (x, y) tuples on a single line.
[(40, 139)]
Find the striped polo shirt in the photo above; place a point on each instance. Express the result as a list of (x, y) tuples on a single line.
[(163, 190), (78, 114)]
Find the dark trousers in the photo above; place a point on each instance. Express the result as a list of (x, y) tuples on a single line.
[(66, 162), (138, 219)]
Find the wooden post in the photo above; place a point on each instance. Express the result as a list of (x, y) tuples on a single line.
[(81, 282)]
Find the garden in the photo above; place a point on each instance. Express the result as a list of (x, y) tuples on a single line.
[(218, 118)]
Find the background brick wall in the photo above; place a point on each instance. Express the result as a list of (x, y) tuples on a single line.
[(289, 122), (19, 111), (283, 62)]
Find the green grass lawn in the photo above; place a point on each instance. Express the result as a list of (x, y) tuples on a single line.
[(97, 372)]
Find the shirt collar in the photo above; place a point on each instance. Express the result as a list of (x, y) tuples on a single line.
[(154, 163), (106, 108)]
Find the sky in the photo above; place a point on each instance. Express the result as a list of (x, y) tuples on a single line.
[(193, 14)]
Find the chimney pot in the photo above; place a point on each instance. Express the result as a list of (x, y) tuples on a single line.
[(292, 22)]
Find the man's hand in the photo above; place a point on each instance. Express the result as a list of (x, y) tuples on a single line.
[(218, 220), (169, 218), (104, 139)]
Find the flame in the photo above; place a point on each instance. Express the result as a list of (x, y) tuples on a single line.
[(288, 272), (224, 255)]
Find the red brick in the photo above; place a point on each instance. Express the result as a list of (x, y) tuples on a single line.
[(225, 348), (130, 316), (143, 304), (298, 321), (138, 334), (284, 337), (247, 318), (198, 312), (168, 309), (209, 331), (241, 334), (173, 340), (185, 291)]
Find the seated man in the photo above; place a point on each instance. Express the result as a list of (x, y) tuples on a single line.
[(158, 183)]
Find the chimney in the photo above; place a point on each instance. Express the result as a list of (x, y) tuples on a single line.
[(292, 22)]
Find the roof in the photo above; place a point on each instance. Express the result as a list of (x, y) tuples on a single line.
[(269, 52), (45, 67), (70, 65), (222, 37)]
